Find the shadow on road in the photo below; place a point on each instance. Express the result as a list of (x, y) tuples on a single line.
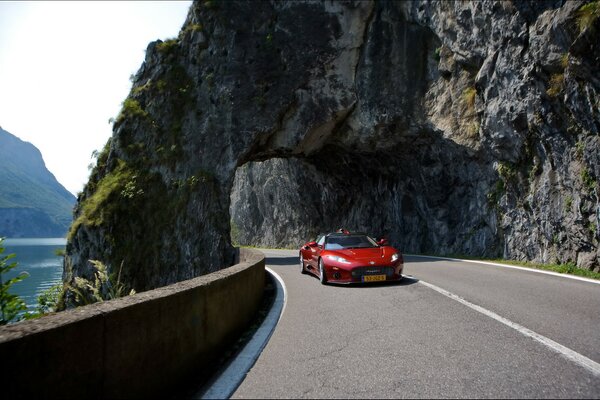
[(282, 261), (406, 281)]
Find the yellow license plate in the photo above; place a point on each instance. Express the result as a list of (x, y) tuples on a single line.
[(373, 278)]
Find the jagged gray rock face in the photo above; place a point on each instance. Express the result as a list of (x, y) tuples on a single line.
[(504, 154), (448, 126)]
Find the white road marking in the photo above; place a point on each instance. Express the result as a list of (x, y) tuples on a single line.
[(228, 381), (539, 271), (571, 355)]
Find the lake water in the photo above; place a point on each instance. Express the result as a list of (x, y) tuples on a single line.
[(37, 257)]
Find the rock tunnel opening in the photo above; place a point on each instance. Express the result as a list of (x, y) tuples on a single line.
[(427, 195)]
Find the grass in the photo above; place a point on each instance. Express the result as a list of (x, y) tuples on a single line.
[(93, 208)]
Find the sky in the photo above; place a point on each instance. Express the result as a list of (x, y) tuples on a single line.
[(65, 70)]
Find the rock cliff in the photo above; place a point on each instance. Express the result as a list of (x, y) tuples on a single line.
[(466, 127), (475, 131)]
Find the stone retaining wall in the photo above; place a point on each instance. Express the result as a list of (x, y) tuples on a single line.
[(151, 344)]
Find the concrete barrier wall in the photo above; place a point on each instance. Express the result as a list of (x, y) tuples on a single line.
[(152, 344)]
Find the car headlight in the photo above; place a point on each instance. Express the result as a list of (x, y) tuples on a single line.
[(339, 259), (395, 257)]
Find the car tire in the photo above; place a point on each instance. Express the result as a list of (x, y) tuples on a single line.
[(302, 268), (322, 276)]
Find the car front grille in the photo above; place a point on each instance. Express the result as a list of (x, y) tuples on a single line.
[(372, 270)]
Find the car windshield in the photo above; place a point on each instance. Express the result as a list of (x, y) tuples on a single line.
[(338, 242)]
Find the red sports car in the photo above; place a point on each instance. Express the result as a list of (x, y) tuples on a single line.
[(351, 258)]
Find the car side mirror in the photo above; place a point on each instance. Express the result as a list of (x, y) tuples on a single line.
[(312, 244), (382, 242)]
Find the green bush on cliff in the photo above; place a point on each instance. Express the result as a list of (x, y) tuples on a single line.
[(131, 108), (557, 83), (588, 180), (193, 28), (468, 98), (95, 208), (168, 47), (587, 15)]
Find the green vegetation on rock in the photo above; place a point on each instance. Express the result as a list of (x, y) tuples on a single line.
[(468, 97), (93, 210), (556, 85), (103, 287), (168, 46), (131, 108), (588, 180), (587, 15)]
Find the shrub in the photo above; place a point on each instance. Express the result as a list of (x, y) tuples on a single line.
[(579, 148), (557, 83), (588, 180), (569, 203), (468, 97), (103, 287), (10, 305), (167, 47), (48, 301), (507, 171), (564, 61), (131, 108), (587, 15), (191, 28)]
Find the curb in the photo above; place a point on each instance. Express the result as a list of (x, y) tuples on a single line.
[(232, 376), (539, 271)]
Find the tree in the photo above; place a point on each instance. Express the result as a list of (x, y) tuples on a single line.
[(10, 304)]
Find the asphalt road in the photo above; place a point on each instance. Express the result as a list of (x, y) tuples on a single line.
[(454, 329)]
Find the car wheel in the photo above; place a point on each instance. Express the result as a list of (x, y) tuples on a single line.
[(322, 276), (302, 269)]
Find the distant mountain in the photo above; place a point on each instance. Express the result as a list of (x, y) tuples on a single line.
[(32, 202)]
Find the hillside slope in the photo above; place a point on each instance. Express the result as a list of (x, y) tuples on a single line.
[(32, 202)]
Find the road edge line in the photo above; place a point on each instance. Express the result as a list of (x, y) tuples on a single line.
[(579, 359), (231, 378), (539, 271)]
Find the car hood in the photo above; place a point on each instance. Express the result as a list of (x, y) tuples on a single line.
[(371, 254)]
